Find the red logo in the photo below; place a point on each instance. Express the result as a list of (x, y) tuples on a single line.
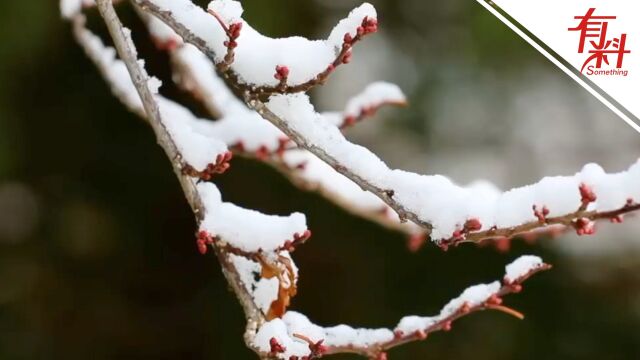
[(594, 40)]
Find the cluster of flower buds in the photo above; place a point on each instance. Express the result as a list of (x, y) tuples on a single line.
[(282, 73), (587, 195), (584, 226), (203, 239), (298, 239), (276, 347), (368, 26), (233, 32), (220, 166), (541, 215), (317, 349), (472, 225), (459, 235), (263, 152)]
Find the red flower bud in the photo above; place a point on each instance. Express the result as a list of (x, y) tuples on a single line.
[(276, 347), (346, 58), (473, 225), (446, 326), (586, 193)]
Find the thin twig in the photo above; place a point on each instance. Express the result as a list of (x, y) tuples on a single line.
[(373, 350)]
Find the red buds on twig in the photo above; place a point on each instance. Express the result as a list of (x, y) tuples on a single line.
[(220, 166), (203, 239)]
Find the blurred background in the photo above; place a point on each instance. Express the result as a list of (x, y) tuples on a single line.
[(97, 254)]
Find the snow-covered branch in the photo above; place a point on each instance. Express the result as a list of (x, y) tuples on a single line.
[(222, 225), (301, 63), (365, 104), (140, 81), (294, 336)]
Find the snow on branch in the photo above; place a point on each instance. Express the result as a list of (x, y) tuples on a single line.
[(245, 132), (286, 65), (238, 126), (453, 213), (202, 155), (266, 233), (294, 336), (365, 104), (258, 246)]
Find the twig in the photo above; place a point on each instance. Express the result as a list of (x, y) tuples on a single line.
[(374, 351), (572, 220), (385, 195)]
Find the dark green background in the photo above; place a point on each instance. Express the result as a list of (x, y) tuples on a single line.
[(111, 269)]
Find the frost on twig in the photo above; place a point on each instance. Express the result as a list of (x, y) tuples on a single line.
[(295, 336)]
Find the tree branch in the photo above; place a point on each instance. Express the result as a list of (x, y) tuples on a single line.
[(139, 78), (385, 195)]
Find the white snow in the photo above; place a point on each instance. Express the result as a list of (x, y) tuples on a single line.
[(197, 147), (317, 173), (374, 95), (159, 31), (238, 124), (304, 58), (245, 229), (263, 291), (521, 267), (229, 11), (70, 8)]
